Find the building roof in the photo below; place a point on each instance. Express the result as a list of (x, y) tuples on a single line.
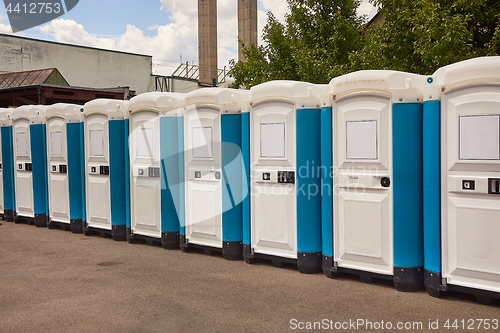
[(48, 94), (30, 78), (8, 35)]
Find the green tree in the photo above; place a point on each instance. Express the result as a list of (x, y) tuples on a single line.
[(312, 45), (421, 36)]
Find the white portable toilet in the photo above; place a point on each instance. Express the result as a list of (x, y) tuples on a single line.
[(7, 199), (30, 163), (106, 168), (65, 156), (215, 170), (285, 141), (462, 179), (147, 176), (377, 178)]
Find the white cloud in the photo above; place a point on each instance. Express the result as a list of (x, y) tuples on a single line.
[(227, 31), (179, 36), (367, 9), (69, 31), (278, 7), (189, 7)]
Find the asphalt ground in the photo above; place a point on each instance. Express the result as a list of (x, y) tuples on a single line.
[(56, 281)]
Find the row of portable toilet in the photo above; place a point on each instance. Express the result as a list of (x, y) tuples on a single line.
[(380, 173)]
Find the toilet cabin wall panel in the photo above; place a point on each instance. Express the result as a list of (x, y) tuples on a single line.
[(245, 180), (234, 189), (38, 137), (8, 179), (432, 187), (2, 204), (172, 174), (76, 170), (327, 188), (308, 180), (119, 173)]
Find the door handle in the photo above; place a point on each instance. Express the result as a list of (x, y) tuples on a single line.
[(385, 182)]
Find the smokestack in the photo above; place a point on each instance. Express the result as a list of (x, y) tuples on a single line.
[(247, 24), (207, 40)]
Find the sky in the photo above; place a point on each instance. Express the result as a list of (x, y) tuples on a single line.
[(164, 29)]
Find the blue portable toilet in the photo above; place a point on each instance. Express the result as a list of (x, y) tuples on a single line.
[(285, 152), (30, 163), (66, 157), (147, 177), (172, 170), (215, 164), (7, 196), (106, 168), (462, 179), (375, 230)]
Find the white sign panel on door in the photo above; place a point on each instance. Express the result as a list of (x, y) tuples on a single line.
[(272, 140), (144, 141), (96, 143), (202, 142), (361, 140), (22, 144), (479, 137), (56, 144)]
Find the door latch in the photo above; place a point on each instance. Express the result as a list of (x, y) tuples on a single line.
[(493, 185), (287, 177), (154, 172), (104, 170)]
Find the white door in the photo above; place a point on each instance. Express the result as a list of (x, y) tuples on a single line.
[(471, 187), (23, 167), (58, 170), (203, 176), (97, 172), (363, 228), (145, 185), (274, 210)]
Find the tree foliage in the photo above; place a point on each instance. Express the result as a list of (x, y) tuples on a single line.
[(312, 45), (421, 36), (323, 39)]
